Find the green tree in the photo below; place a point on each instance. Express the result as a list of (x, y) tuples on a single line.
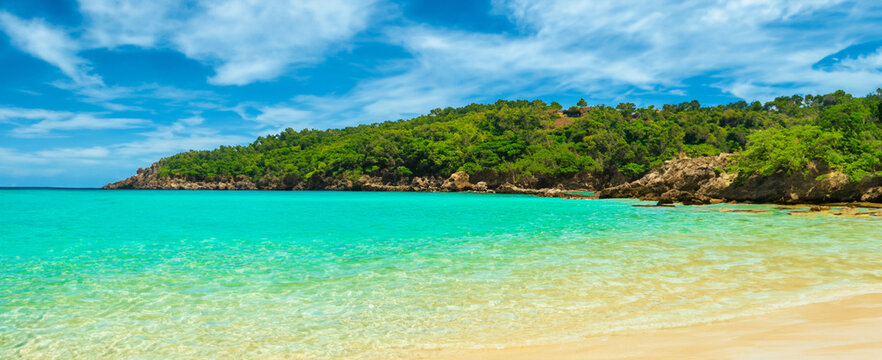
[(787, 149), (524, 140)]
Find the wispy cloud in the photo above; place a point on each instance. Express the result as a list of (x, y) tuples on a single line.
[(50, 44), (41, 122), (113, 23), (185, 134), (173, 95), (254, 43), (88, 154), (245, 41), (22, 164), (769, 45), (604, 49), (55, 46), (50, 162), (276, 117)]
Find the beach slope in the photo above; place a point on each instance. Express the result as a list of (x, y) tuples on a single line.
[(849, 328)]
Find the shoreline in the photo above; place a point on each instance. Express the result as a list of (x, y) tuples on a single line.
[(690, 181), (849, 327), (541, 192)]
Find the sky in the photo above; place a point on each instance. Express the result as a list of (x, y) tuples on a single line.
[(91, 90)]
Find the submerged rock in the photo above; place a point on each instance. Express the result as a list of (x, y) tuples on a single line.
[(848, 211), (655, 206)]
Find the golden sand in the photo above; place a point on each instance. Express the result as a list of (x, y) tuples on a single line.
[(849, 328)]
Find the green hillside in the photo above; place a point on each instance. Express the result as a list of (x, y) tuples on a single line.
[(536, 143)]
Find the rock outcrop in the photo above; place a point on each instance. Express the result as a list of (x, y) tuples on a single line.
[(681, 180), (700, 180), (704, 181), (459, 181), (148, 179)]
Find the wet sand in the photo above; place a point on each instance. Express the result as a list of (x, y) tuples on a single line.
[(849, 328)]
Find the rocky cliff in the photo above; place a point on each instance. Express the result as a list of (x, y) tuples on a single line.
[(457, 182), (703, 181), (688, 180)]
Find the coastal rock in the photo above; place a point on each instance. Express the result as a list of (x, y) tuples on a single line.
[(703, 181), (873, 195), (689, 181), (149, 179), (509, 188), (481, 186), (680, 180), (458, 181)]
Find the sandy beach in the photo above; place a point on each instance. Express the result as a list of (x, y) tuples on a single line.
[(848, 328)]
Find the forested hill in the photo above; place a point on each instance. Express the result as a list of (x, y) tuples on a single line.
[(534, 144)]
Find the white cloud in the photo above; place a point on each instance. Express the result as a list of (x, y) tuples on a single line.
[(77, 122), (105, 96), (610, 49), (9, 114), (12, 156), (602, 48), (41, 122), (193, 120), (183, 135), (275, 116), (56, 47), (49, 44), (245, 40), (22, 164), (95, 152), (160, 145), (256, 41), (50, 162), (113, 23), (657, 45), (864, 63)]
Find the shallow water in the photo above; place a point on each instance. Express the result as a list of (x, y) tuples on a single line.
[(315, 275)]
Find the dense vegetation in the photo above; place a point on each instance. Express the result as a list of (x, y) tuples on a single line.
[(535, 140)]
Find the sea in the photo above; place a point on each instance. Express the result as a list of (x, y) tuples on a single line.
[(140, 274)]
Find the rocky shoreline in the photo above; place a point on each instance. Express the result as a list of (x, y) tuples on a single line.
[(697, 181), (147, 179), (690, 181)]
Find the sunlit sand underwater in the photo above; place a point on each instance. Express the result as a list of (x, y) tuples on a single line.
[(320, 275)]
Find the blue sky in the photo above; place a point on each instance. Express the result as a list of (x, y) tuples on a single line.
[(93, 89)]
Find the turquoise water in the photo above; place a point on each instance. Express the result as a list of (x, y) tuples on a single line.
[(317, 275)]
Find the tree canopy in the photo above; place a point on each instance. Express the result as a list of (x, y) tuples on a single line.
[(534, 139)]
